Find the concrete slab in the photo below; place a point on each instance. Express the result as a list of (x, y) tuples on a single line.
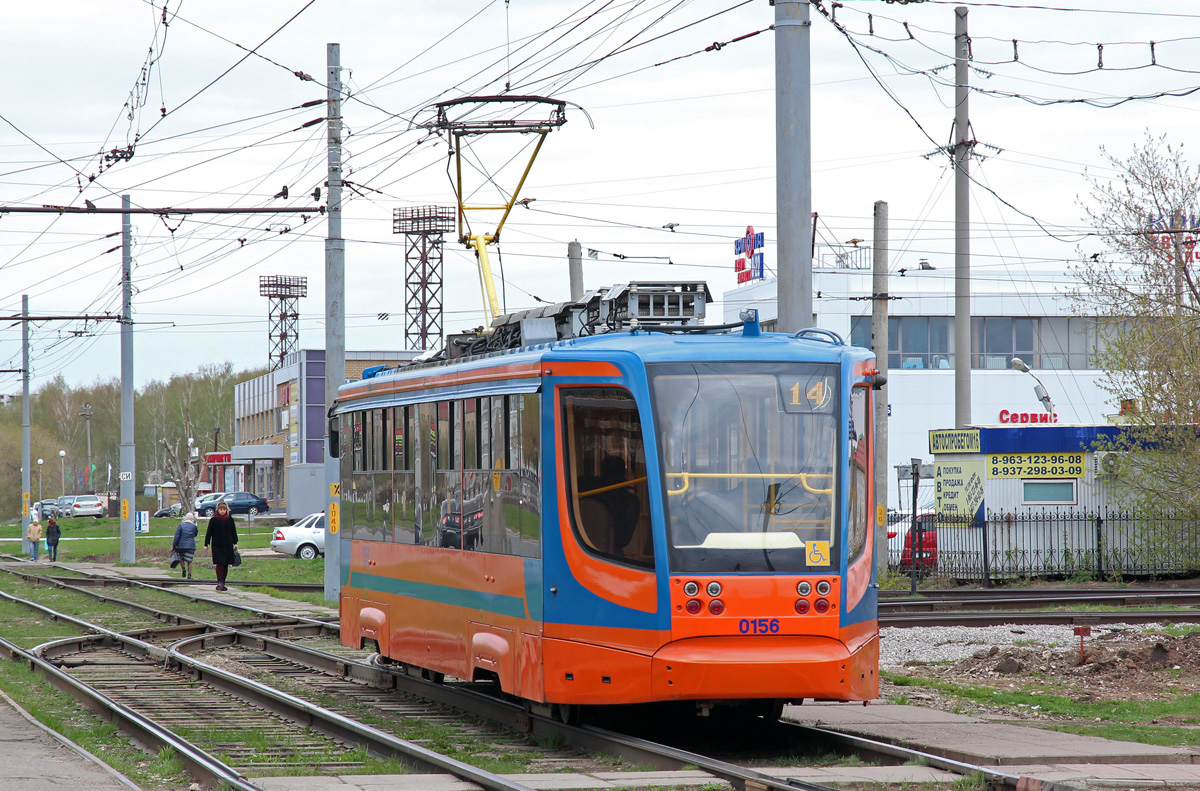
[(550, 781), (834, 715), (1127, 775), (825, 775), (978, 742), (33, 758)]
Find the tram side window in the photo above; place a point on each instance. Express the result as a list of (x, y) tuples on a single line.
[(400, 460), (425, 436), (444, 437), (858, 520), (524, 436), (470, 433), (606, 473), (356, 435)]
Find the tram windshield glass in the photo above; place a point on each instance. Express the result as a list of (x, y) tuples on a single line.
[(749, 459)]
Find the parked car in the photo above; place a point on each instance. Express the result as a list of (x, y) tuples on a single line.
[(62, 506), (86, 505), (208, 499), (239, 503), (305, 539), (171, 510), (901, 544), (45, 509)]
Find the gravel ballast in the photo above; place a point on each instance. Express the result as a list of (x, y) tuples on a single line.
[(951, 643)]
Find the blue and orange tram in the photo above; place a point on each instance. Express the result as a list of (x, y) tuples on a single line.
[(608, 502)]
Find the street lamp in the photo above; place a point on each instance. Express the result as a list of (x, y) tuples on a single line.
[(62, 470), (40, 479), (1018, 364)]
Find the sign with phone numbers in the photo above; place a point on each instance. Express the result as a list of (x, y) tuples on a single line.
[(1035, 465)]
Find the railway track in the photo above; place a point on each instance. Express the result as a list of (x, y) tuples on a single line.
[(220, 654), (1052, 606)]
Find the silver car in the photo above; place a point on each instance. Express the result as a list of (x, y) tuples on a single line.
[(305, 539), (86, 505)]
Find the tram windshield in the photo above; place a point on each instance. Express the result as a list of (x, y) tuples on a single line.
[(748, 454)]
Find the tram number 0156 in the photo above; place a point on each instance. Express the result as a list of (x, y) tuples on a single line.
[(759, 626)]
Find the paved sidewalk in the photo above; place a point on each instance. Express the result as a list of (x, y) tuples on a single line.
[(1019, 750), (34, 759)]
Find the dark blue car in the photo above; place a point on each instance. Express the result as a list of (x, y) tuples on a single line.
[(239, 503)]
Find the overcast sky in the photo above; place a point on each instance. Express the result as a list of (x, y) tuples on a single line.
[(688, 142)]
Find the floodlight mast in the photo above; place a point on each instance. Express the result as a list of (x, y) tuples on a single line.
[(464, 127)]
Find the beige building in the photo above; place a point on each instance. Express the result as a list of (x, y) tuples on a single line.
[(279, 430)]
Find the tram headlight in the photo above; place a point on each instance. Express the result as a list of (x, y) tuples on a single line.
[(823, 588), (716, 606), (821, 606), (714, 589), (804, 588), (694, 606), (690, 589), (802, 606)]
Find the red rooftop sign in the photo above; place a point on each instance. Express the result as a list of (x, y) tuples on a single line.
[(1027, 417)]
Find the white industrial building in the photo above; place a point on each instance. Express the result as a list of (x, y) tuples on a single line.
[(1043, 328)]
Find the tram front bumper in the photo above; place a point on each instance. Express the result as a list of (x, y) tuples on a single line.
[(787, 667)]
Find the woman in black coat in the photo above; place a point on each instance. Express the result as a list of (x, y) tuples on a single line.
[(53, 533), (223, 536)]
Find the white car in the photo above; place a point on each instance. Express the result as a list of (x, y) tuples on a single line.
[(305, 539)]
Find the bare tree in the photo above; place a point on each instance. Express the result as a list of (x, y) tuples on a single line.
[(1142, 284)]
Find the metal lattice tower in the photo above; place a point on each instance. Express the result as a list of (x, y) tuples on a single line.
[(285, 292), (423, 227)]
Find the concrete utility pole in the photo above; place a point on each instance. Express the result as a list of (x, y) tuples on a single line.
[(880, 343), (128, 455), (25, 423), (335, 317), (793, 164), (86, 414), (575, 268), (962, 222)]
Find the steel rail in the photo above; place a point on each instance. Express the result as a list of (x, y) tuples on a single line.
[(201, 766), (1065, 618), (978, 601), (209, 769), (321, 719), (860, 744), (180, 582), (463, 698), (257, 613)]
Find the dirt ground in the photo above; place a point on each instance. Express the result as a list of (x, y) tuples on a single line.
[(1123, 665)]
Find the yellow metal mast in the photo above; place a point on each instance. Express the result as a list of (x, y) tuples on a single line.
[(460, 129)]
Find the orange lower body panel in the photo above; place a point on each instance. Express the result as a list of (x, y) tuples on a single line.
[(584, 673), (788, 667)]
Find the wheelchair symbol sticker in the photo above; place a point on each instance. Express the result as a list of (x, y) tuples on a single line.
[(818, 553)]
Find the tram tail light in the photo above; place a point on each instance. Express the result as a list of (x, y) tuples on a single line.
[(821, 606), (802, 606), (716, 606), (694, 606)]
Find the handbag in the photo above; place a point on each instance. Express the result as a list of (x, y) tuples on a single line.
[(237, 557), (175, 559)]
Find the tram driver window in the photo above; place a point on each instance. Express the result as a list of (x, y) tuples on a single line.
[(606, 474)]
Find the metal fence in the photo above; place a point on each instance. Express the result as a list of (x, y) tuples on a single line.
[(1048, 543)]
